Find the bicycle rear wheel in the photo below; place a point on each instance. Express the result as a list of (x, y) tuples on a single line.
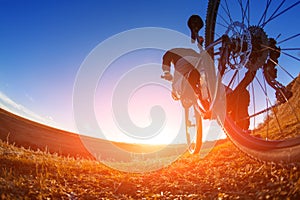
[(261, 75), (193, 129)]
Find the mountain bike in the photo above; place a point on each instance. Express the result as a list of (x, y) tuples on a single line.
[(255, 51)]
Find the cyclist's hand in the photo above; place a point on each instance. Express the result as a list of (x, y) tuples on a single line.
[(168, 76)]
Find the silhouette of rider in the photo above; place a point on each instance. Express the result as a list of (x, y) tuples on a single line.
[(185, 61)]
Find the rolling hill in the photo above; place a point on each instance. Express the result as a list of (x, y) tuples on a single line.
[(25, 133), (283, 120)]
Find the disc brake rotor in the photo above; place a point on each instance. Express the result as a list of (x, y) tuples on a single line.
[(242, 46)]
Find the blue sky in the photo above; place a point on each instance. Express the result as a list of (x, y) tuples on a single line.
[(43, 44)]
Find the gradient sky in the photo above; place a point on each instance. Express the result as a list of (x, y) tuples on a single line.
[(43, 43)]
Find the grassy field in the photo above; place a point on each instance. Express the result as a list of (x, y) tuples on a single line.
[(225, 173), (283, 121)]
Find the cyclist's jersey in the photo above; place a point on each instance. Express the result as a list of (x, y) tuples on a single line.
[(174, 55), (185, 65), (182, 68)]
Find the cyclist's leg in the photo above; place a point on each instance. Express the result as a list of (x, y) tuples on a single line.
[(194, 81), (182, 83), (237, 107), (177, 86)]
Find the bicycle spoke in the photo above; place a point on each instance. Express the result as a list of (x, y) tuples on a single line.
[(287, 100), (287, 54), (267, 97), (285, 10), (283, 69), (289, 38), (267, 106), (242, 10), (298, 59), (224, 26), (248, 6), (264, 110), (264, 15), (279, 6), (244, 16), (291, 106), (227, 12), (290, 49), (233, 78)]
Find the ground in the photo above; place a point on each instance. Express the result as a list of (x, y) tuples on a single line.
[(225, 173)]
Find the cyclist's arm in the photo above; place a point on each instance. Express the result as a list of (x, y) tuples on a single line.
[(166, 66), (167, 60)]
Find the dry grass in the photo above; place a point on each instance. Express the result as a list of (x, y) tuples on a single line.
[(283, 121), (225, 173)]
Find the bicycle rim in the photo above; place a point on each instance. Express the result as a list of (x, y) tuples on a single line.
[(269, 128)]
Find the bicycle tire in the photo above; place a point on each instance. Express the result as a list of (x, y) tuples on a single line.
[(264, 150), (193, 119)]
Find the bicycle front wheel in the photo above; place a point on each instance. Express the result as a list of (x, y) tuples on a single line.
[(260, 70)]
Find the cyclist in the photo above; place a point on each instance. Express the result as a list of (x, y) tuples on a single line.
[(184, 61), (187, 64)]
